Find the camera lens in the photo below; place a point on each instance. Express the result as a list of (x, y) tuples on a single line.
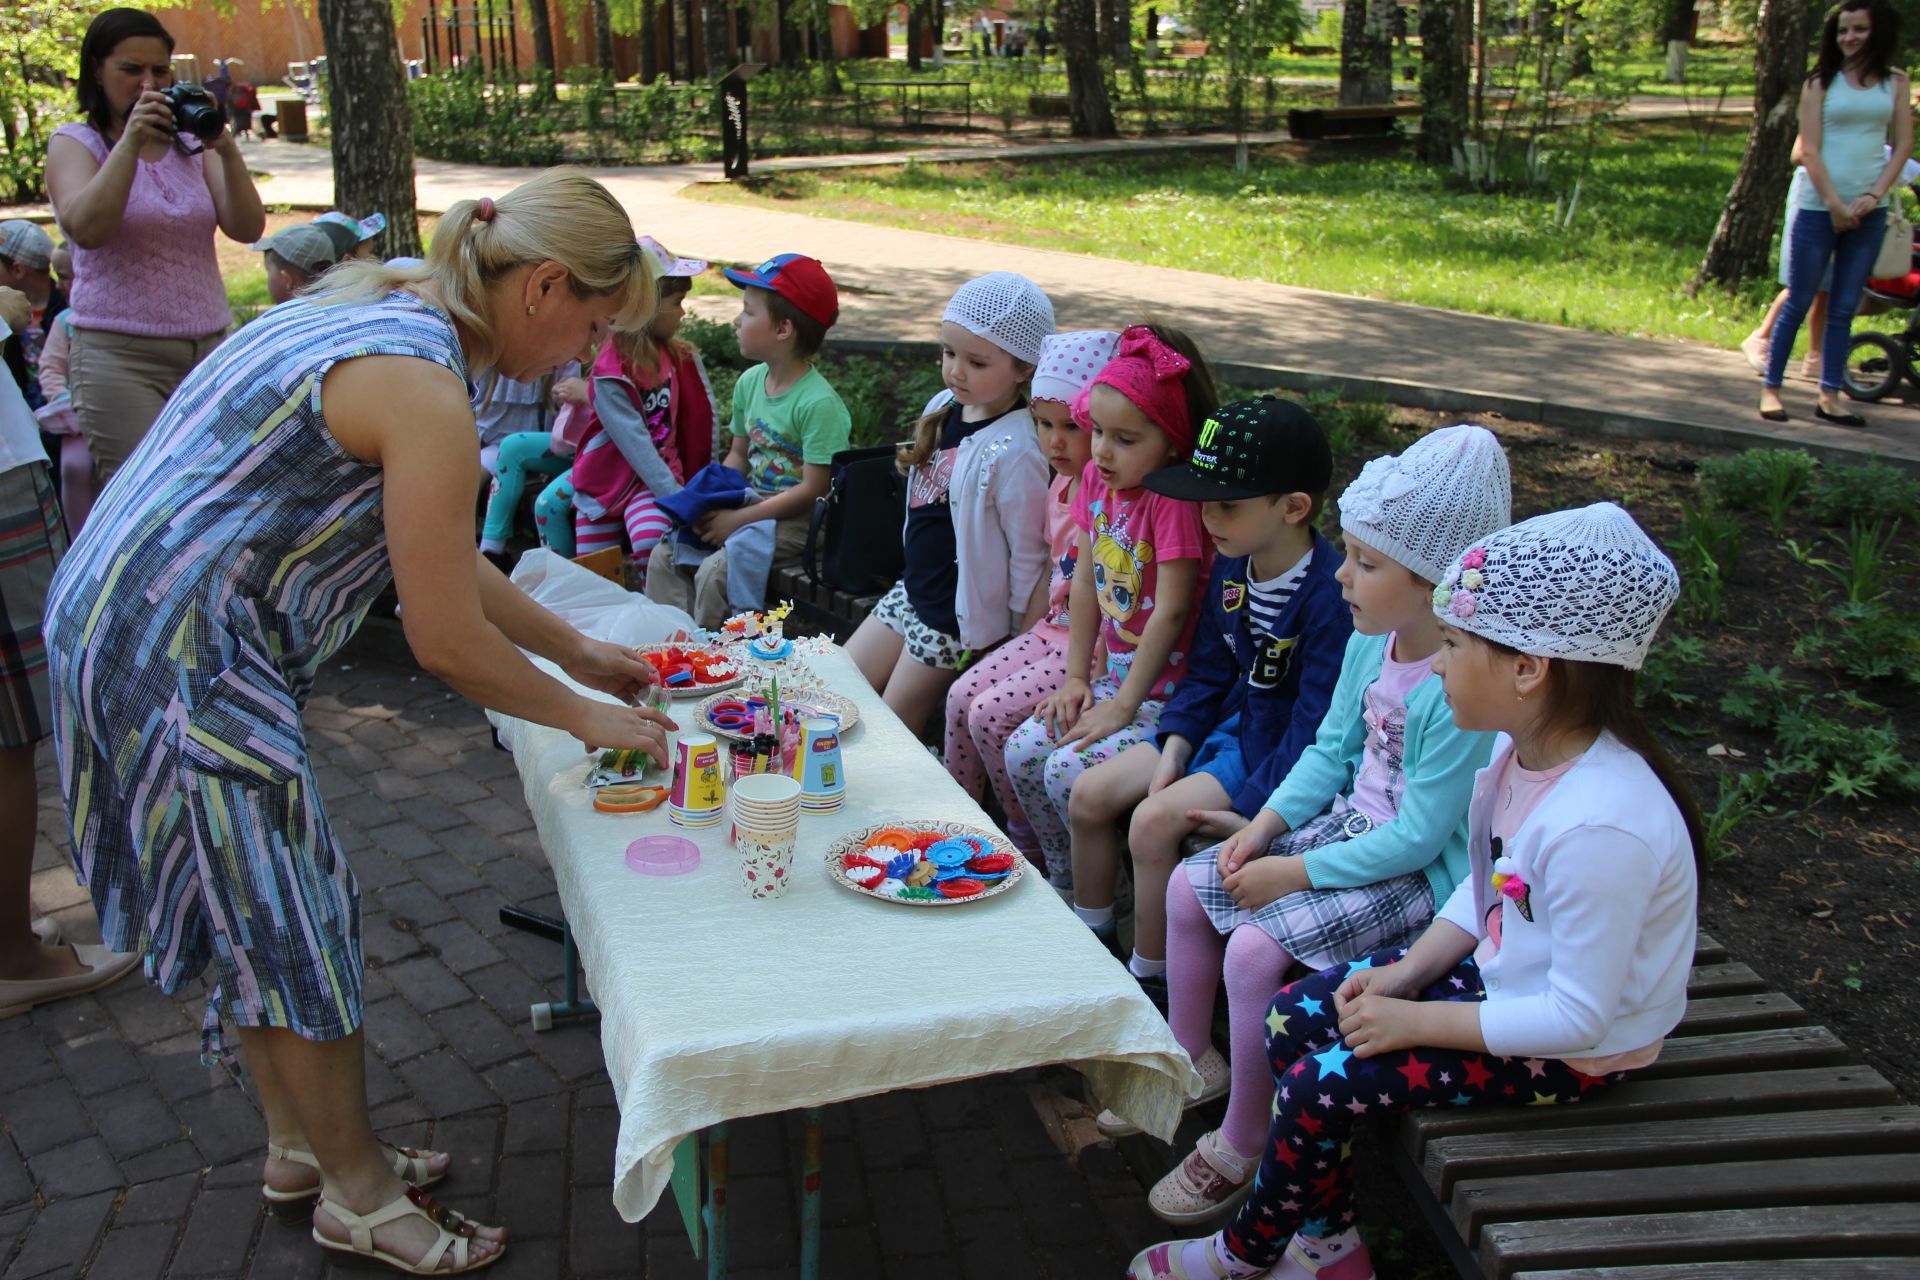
[(194, 111)]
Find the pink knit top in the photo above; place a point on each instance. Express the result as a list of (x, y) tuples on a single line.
[(157, 277)]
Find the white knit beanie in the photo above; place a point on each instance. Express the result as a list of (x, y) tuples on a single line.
[(1068, 362), (1007, 310), (1425, 506), (1587, 584)]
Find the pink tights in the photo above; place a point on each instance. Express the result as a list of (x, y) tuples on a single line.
[(1253, 964), (987, 704)]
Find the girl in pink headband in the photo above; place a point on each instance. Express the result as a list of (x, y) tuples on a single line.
[(1143, 561)]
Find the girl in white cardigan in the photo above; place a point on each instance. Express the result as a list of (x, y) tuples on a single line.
[(975, 535), (1561, 961)]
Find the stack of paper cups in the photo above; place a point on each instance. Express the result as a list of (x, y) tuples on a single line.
[(699, 794), (823, 786), (766, 817)]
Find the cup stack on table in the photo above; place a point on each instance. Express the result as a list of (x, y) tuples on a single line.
[(766, 821)]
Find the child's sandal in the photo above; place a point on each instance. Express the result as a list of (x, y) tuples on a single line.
[(1163, 1262), (456, 1236)]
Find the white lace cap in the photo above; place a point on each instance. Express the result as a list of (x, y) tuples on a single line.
[(1587, 584), (1425, 506), (1069, 361), (1007, 310)]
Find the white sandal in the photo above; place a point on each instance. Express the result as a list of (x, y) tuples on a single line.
[(456, 1236), (1215, 1078), (410, 1164)]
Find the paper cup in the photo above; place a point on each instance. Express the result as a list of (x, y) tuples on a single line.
[(766, 861)]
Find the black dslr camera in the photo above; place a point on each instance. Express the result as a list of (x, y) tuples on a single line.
[(194, 111)]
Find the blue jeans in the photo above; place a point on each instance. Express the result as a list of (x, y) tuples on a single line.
[(1852, 254)]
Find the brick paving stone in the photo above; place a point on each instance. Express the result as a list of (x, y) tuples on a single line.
[(766, 1211), (481, 910), (142, 1014), (15, 1184), (537, 1125), (522, 1078), (397, 789), (383, 943), (46, 1116), (851, 1251), (403, 840), (362, 809), (162, 1200), (174, 1067), (1055, 1189), (286, 1251), (25, 1053), (446, 1085), (445, 874), (77, 1169), (843, 1197), (374, 869), (594, 1132), (223, 1125), (134, 1252), (133, 1119), (533, 1194), (509, 992), (397, 1031), (401, 1111), (516, 881), (62, 1230), (416, 904), (598, 1242), (175, 1157), (426, 984), (940, 1266), (909, 1227), (497, 817), (889, 1130), (542, 960), (455, 788), (219, 1232), (459, 946), (992, 1245), (973, 1170), (431, 813)]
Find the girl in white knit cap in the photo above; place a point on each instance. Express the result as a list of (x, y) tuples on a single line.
[(975, 536), (1366, 835), (988, 703), (1561, 960)]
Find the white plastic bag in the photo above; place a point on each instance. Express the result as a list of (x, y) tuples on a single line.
[(591, 604)]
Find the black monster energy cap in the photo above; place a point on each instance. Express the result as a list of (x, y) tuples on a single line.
[(1248, 449)]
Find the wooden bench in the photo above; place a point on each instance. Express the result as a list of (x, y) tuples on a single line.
[(1753, 1149), (1313, 124), (819, 607)]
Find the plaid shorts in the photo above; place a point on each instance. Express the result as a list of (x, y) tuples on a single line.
[(1321, 927), (32, 540), (928, 647)]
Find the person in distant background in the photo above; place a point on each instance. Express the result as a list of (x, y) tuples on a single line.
[(242, 100), (26, 262)]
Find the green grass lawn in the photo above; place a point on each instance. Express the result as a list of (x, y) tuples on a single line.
[(1382, 226)]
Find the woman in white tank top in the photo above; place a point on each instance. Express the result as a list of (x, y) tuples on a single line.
[(1856, 130)]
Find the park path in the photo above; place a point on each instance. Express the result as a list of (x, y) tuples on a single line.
[(894, 282)]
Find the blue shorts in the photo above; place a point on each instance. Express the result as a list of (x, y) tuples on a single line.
[(1219, 758)]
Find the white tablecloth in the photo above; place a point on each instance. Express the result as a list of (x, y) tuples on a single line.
[(715, 1006)]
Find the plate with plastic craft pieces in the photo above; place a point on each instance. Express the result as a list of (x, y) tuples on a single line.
[(726, 714), (925, 864), (708, 671)]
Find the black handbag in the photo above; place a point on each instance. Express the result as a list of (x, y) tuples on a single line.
[(854, 542)]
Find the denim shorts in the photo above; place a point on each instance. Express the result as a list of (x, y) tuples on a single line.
[(1219, 758)]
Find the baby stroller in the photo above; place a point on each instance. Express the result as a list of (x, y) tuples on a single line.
[(1877, 361)]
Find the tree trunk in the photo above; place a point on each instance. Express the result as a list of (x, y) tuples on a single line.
[(1089, 107), (1743, 242), (1445, 28), (603, 38), (1677, 23), (685, 18), (368, 118), (713, 30), (913, 35), (649, 43), (541, 20), (1366, 53)]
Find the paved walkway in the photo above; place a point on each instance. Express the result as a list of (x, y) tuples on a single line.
[(894, 281), (121, 1158)]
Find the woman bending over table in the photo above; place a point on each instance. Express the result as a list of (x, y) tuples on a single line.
[(325, 450)]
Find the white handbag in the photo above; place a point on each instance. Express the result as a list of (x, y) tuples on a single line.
[(1896, 246)]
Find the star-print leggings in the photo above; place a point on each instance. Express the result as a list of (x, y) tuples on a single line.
[(988, 702), (1040, 774), (1305, 1183)]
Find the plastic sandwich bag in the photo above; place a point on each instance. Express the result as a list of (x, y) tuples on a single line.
[(591, 604)]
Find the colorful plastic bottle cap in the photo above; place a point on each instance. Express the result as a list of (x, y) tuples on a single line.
[(662, 855)]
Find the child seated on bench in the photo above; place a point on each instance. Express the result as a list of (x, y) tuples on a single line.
[(1561, 961)]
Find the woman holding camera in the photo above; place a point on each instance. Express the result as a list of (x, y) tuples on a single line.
[(138, 198)]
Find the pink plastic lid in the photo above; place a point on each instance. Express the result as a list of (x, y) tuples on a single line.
[(662, 855)]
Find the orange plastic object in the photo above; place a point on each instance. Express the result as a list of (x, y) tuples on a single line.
[(629, 797)]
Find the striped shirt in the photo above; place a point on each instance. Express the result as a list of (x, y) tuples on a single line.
[(1266, 600)]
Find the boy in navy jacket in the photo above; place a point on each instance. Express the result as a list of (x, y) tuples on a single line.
[(1266, 657)]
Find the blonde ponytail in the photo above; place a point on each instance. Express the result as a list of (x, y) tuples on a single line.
[(560, 215)]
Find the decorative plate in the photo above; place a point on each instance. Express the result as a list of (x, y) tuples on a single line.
[(812, 699), (854, 844), (664, 658)]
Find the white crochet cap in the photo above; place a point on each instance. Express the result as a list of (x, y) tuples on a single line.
[(1007, 310), (1588, 585), (1425, 506), (1068, 362)]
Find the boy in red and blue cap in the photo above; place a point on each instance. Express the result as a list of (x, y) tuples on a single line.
[(787, 425)]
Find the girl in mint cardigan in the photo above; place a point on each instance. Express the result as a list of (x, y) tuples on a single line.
[(1366, 835)]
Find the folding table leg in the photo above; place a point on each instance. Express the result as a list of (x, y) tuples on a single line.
[(810, 1198), (546, 1013), (716, 1213)]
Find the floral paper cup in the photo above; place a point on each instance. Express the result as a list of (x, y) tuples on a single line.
[(766, 861)]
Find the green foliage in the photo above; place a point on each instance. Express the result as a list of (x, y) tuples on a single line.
[(1866, 571), (1709, 554), (39, 53), (1767, 481), (1855, 758), (1661, 674), (1867, 641), (1869, 491), (1759, 696), (1741, 797)]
